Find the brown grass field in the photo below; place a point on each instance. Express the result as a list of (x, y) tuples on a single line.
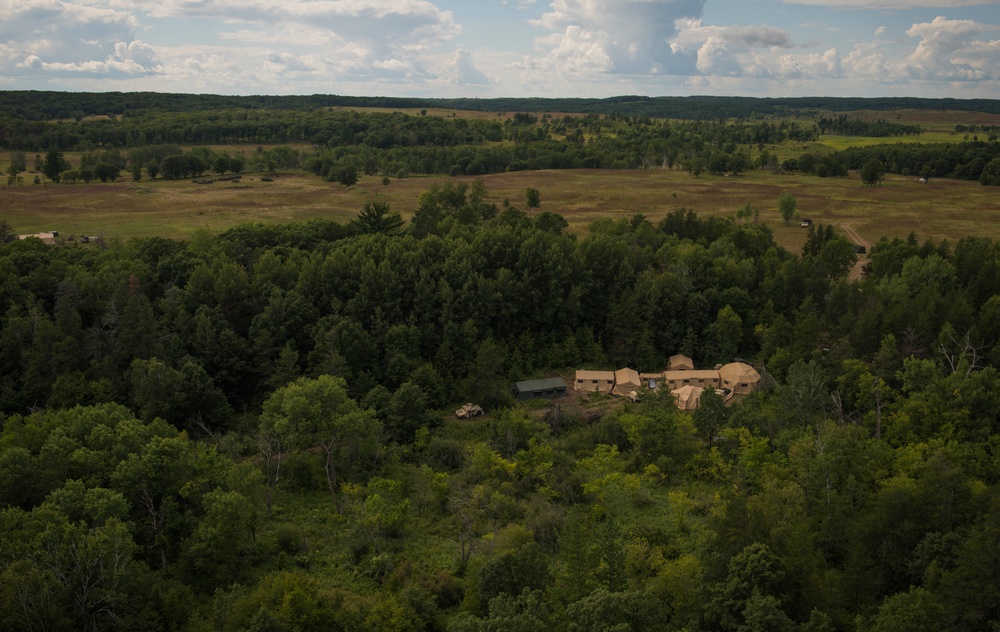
[(940, 209)]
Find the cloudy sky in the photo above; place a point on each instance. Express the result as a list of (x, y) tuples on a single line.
[(484, 48)]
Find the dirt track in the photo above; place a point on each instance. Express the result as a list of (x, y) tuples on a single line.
[(853, 235)]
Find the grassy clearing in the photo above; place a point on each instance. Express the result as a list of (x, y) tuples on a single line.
[(939, 120), (938, 126), (840, 143), (940, 209)]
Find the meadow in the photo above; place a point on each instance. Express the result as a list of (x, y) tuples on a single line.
[(939, 209)]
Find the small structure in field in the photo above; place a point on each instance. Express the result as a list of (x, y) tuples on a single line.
[(46, 237), (594, 381), (549, 388)]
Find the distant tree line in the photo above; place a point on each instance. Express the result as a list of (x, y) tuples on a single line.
[(991, 130), (706, 107), (347, 142), (43, 105), (844, 126), (964, 161)]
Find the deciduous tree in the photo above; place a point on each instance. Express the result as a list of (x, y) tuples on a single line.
[(872, 172), (318, 412), (711, 414), (533, 198), (786, 206)]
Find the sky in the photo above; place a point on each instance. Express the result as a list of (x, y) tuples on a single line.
[(513, 48)]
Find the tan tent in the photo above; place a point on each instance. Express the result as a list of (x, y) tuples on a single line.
[(739, 378), (680, 362), (47, 238), (627, 382), (704, 379), (651, 381), (688, 397), (594, 381)]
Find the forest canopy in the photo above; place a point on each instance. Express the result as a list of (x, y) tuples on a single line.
[(253, 430)]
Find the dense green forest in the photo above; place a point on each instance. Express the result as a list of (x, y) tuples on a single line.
[(41, 105), (251, 431)]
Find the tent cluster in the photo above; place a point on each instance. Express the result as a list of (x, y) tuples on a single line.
[(684, 381)]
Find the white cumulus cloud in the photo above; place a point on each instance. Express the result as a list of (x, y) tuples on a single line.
[(752, 51), (614, 36), (243, 43), (715, 58), (947, 49), (461, 70), (136, 52)]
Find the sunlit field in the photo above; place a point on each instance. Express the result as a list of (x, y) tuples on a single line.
[(940, 209)]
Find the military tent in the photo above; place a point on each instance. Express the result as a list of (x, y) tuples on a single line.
[(539, 389), (651, 381), (680, 362), (594, 381), (627, 383), (704, 379), (688, 397), (739, 378)]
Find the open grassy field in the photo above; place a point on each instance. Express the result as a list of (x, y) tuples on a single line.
[(839, 143), (933, 120), (940, 209), (938, 126)]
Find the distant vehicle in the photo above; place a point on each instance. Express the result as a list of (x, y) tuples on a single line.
[(469, 411), (806, 223)]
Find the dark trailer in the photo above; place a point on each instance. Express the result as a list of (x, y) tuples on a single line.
[(549, 388)]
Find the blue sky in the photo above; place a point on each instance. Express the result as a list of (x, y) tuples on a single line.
[(486, 48)]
